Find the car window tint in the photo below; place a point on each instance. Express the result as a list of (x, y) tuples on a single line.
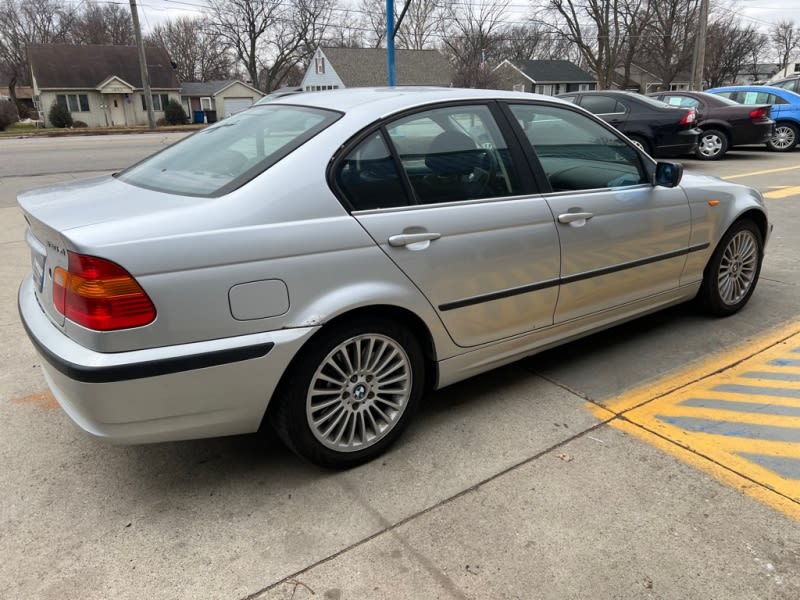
[(572, 99), (773, 99), (368, 176), (455, 153), (601, 105), (682, 101), (230, 153), (577, 153), (756, 98), (730, 95)]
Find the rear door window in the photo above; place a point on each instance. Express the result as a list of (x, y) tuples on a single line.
[(453, 154), (602, 105)]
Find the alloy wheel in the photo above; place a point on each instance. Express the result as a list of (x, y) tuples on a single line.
[(738, 267), (784, 137), (359, 392)]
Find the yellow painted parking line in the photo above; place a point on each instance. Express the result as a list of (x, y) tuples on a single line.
[(764, 172), (736, 416), (783, 192)]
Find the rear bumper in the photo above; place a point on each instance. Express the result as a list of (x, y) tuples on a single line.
[(683, 142), (203, 389), (757, 134)]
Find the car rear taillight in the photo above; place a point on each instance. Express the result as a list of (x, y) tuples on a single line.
[(758, 114), (689, 117), (100, 295)]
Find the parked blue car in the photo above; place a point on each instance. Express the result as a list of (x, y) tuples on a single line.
[(785, 110)]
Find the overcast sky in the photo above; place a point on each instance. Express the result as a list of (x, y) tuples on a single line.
[(761, 13)]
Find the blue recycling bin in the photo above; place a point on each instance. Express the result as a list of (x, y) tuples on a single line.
[(198, 116)]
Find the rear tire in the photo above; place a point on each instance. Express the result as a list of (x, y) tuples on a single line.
[(785, 138), (350, 393), (732, 273), (712, 145)]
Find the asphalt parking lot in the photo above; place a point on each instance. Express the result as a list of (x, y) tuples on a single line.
[(655, 460)]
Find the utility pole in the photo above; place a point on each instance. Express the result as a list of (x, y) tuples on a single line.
[(148, 96), (389, 42), (700, 47)]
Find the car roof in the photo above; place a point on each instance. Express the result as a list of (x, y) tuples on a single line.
[(384, 100), (794, 96)]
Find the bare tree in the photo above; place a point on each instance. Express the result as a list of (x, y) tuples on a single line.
[(471, 40), (728, 48), (372, 21), (420, 25), (199, 53), (668, 32), (29, 22), (106, 24), (785, 38), (600, 29), (243, 24), (345, 32), (297, 34), (270, 37)]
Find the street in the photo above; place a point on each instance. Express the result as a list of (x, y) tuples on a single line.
[(582, 472)]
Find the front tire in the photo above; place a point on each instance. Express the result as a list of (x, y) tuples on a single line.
[(732, 273), (712, 145), (785, 138), (350, 393)]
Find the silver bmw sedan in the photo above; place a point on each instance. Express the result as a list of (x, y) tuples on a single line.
[(319, 262)]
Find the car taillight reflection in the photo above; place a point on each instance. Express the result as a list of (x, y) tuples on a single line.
[(100, 295)]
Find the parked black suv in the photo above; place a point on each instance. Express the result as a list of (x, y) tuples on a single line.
[(658, 128)]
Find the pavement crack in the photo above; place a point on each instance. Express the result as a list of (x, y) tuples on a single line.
[(391, 528)]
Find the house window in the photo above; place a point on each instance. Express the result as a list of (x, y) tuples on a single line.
[(74, 102), (546, 89), (160, 102), (585, 87), (205, 103), (797, 67), (519, 87), (319, 65), (319, 88)]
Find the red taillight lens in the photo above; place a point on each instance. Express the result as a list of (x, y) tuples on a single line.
[(689, 117), (100, 295), (759, 113)]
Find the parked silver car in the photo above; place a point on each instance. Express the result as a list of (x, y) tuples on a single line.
[(320, 261)]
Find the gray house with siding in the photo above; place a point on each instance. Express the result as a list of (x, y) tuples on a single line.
[(100, 85), (333, 68), (224, 97), (549, 77)]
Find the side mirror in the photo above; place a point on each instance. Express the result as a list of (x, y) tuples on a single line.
[(668, 174)]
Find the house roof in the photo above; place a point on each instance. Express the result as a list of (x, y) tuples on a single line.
[(210, 88), (554, 71), (23, 92), (366, 67), (65, 66)]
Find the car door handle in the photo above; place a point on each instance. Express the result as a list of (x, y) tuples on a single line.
[(405, 239), (576, 216)]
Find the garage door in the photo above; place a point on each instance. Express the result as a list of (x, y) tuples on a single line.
[(234, 105)]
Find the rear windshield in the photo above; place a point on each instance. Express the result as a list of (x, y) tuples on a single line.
[(226, 155)]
